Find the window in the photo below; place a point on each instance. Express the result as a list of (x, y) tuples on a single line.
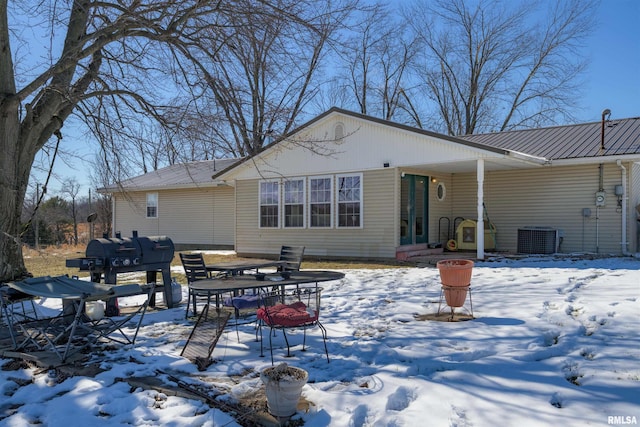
[(152, 205), (320, 197), (441, 191), (294, 203), (269, 203), (349, 201), (338, 131)]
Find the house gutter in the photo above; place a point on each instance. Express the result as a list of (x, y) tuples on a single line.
[(526, 158), (594, 160)]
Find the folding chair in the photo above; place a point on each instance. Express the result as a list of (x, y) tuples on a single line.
[(61, 332), (14, 307), (298, 309)]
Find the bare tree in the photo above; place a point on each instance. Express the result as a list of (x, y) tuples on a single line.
[(70, 189), (497, 65), (264, 70), (377, 61), (111, 70)]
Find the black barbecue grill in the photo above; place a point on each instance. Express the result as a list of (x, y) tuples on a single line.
[(107, 257)]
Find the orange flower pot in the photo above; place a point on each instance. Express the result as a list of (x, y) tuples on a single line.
[(455, 276), (455, 272)]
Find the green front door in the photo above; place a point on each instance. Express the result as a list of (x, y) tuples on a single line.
[(413, 209)]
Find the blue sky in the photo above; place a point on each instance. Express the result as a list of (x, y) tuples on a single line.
[(612, 79), (613, 76)]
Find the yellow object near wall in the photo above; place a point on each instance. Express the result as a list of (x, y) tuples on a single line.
[(466, 235)]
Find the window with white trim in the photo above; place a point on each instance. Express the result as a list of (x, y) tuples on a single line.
[(349, 200), (269, 204), (320, 202), (152, 205), (294, 199)]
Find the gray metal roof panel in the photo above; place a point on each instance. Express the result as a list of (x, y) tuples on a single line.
[(177, 175), (621, 137)]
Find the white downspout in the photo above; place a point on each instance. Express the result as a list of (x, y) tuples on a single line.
[(623, 243), (113, 215), (480, 222)]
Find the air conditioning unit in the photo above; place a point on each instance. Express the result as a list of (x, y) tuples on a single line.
[(538, 240)]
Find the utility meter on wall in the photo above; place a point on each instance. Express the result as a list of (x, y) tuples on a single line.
[(600, 198)]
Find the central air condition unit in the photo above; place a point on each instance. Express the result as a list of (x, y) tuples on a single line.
[(538, 240)]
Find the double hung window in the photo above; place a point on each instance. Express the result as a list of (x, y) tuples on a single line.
[(294, 200), (269, 204), (349, 200), (152, 205), (320, 202), (314, 202)]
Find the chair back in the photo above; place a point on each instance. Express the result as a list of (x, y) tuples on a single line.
[(194, 267), (292, 257)]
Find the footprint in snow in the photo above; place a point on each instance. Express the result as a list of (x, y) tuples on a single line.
[(400, 399), (556, 401), (470, 356), (459, 418), (359, 416)]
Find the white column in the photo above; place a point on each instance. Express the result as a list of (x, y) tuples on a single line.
[(480, 222)]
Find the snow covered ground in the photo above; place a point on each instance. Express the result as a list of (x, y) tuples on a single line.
[(553, 342)]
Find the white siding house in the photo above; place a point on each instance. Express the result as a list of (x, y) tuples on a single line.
[(349, 185), (190, 208)]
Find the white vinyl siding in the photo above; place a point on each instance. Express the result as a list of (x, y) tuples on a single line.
[(633, 205), (193, 216), (545, 197)]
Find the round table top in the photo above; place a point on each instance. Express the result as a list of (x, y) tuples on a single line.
[(248, 281)]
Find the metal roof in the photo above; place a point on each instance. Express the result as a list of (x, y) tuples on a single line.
[(621, 137), (176, 176)]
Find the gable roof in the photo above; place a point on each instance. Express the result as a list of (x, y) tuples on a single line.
[(418, 131), (621, 137), (543, 145), (182, 175)]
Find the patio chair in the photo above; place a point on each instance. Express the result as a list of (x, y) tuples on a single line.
[(71, 329), (245, 304), (195, 269), (291, 256), (297, 309), (15, 306)]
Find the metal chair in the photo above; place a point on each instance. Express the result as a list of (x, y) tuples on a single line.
[(297, 309), (61, 333), (291, 256), (194, 269)]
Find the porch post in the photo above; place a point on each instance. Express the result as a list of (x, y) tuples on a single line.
[(480, 222)]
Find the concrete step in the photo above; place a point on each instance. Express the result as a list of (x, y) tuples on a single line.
[(406, 252)]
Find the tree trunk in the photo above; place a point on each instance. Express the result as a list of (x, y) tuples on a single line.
[(14, 177)]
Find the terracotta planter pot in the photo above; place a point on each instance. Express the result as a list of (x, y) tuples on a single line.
[(455, 296), (283, 387), (455, 276), (455, 272)]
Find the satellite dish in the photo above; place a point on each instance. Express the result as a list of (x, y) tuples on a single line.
[(92, 217)]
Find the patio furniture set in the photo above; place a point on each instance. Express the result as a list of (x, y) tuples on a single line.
[(285, 297), (281, 299)]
